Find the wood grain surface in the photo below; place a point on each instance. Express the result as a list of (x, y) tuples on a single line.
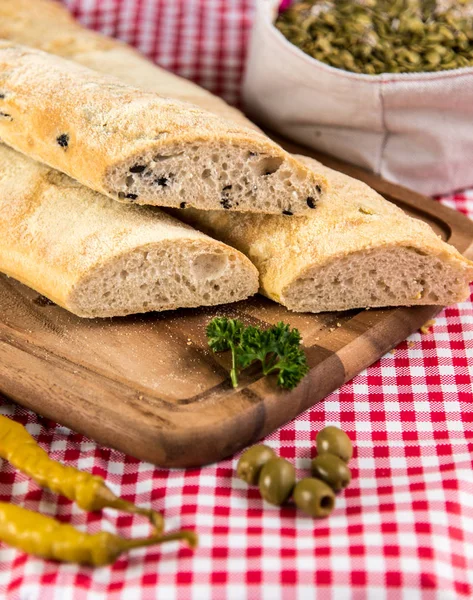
[(148, 385)]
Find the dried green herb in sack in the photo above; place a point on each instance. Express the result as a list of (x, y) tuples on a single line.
[(383, 36)]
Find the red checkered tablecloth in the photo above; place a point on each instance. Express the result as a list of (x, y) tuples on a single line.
[(404, 527)]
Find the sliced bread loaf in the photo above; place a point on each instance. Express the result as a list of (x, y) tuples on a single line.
[(136, 146), (99, 258), (361, 251), (372, 255)]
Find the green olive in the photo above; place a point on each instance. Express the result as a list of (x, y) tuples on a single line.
[(333, 440), (277, 480), (332, 470), (251, 462), (314, 497)]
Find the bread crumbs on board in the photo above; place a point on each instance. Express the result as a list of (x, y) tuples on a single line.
[(426, 327)]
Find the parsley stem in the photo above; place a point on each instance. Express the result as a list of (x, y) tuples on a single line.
[(270, 369), (233, 372), (270, 365)]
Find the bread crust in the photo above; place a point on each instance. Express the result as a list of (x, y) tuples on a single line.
[(355, 220), (92, 126), (283, 249), (55, 234)]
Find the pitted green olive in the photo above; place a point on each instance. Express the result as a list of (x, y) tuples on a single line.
[(333, 440), (332, 470), (277, 480), (314, 497), (252, 461)]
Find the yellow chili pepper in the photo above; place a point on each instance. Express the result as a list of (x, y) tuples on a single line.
[(47, 538), (88, 491)]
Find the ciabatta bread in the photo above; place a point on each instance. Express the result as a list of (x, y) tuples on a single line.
[(361, 251), (98, 258), (139, 147), (372, 255)]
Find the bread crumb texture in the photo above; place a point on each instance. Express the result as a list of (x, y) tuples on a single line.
[(145, 148), (345, 258), (116, 259)]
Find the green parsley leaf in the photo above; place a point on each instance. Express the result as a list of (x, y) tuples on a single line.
[(277, 349), (225, 334)]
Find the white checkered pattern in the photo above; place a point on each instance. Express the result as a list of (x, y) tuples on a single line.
[(403, 530)]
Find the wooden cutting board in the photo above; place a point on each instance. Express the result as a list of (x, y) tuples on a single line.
[(149, 386)]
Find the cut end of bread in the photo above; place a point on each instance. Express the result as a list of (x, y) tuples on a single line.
[(388, 276), (221, 176), (160, 277), (138, 146)]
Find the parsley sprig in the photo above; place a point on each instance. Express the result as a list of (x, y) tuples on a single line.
[(277, 349)]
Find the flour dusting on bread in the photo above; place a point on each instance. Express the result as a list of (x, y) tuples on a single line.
[(139, 147), (99, 258)]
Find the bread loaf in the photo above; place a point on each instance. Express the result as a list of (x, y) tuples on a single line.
[(99, 258), (139, 147), (361, 251)]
